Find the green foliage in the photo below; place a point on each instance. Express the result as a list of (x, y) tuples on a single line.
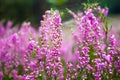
[(6, 77), (16, 10), (92, 55), (20, 70), (32, 10), (57, 2)]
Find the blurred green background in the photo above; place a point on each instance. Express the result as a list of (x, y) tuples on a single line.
[(32, 10)]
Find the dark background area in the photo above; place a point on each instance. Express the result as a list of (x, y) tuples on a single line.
[(32, 10)]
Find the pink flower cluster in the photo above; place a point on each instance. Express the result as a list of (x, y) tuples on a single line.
[(28, 54)]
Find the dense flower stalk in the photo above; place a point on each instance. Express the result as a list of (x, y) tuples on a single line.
[(95, 44)]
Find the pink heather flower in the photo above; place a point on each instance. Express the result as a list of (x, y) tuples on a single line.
[(2, 30), (1, 76), (108, 58), (46, 51), (91, 34), (9, 24), (112, 40), (6, 31), (97, 76), (57, 19), (105, 11)]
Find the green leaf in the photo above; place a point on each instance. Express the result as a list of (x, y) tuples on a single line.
[(20, 70), (6, 77), (40, 78), (39, 42), (65, 68), (91, 54)]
